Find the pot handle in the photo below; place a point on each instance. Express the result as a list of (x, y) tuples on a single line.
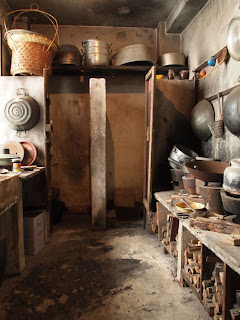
[(22, 92)]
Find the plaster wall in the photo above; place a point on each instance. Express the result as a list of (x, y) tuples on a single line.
[(205, 36), (166, 42)]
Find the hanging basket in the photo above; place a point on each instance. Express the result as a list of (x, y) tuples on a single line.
[(31, 52)]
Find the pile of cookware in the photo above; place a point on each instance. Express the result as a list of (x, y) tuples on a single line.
[(218, 183)]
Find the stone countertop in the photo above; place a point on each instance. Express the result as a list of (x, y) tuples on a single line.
[(214, 241)]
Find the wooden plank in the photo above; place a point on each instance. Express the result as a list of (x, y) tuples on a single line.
[(98, 151)]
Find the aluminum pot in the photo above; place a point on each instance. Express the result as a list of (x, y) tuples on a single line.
[(68, 54), (201, 115), (231, 177), (96, 52), (181, 154), (230, 112), (134, 53), (21, 113), (172, 59)]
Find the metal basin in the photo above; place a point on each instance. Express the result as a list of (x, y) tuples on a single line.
[(136, 53), (207, 171)]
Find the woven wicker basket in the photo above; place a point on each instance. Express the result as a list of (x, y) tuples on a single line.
[(31, 52)]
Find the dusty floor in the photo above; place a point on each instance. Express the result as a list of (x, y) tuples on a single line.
[(114, 275)]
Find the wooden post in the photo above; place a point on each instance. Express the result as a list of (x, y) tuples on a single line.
[(98, 151)]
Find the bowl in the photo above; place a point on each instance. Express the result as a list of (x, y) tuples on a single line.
[(197, 206)]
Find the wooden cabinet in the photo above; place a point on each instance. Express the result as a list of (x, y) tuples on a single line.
[(168, 105)]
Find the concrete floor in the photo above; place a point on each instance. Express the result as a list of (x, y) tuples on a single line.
[(114, 275)]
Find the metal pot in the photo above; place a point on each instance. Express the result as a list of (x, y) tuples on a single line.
[(134, 53), (233, 39), (96, 52), (172, 59), (21, 113), (231, 177), (182, 155), (231, 205), (230, 112), (68, 54), (201, 115), (6, 160)]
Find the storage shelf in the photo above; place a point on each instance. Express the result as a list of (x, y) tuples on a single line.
[(111, 70)]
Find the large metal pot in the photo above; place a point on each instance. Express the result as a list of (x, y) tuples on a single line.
[(68, 54), (231, 177), (230, 110), (181, 154), (21, 113), (172, 59), (233, 38), (134, 53), (96, 52), (201, 115)]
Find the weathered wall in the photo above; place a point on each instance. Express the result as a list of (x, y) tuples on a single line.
[(71, 138), (166, 42), (205, 36)]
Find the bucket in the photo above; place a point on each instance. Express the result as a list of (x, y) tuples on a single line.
[(216, 128)]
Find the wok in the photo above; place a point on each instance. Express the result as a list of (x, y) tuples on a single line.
[(207, 171), (201, 115), (231, 110), (233, 38)]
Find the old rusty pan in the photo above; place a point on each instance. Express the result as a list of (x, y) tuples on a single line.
[(212, 198), (208, 171)]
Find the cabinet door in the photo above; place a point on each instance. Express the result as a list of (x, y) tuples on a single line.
[(149, 105)]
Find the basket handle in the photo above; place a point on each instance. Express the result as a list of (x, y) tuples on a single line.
[(51, 18)]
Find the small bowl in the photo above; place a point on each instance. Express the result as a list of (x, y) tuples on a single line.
[(197, 206)]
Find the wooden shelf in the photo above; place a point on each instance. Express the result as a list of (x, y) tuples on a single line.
[(185, 278), (111, 70)]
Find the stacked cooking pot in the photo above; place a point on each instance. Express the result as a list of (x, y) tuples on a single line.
[(231, 189)]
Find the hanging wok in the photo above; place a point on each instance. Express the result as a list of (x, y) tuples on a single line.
[(201, 115), (233, 38), (231, 110)]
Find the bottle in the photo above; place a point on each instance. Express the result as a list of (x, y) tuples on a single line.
[(171, 74), (16, 165)]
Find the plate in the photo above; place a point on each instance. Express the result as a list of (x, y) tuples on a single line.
[(15, 148), (30, 153)]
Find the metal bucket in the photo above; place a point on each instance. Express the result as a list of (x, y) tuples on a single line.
[(96, 53)]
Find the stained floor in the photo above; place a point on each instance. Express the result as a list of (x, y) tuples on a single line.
[(114, 275)]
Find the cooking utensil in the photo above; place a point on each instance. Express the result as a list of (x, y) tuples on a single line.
[(211, 171), (201, 115), (96, 52), (68, 54), (6, 160), (14, 148), (231, 109), (21, 113), (212, 198), (136, 53), (190, 206), (181, 154), (172, 59), (233, 38), (216, 127), (30, 153), (231, 205), (189, 184), (231, 177)]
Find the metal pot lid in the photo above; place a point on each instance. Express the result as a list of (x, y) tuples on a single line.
[(230, 111), (9, 156), (233, 38), (201, 115), (15, 148)]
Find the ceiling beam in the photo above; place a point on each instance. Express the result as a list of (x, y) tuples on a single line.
[(182, 14)]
